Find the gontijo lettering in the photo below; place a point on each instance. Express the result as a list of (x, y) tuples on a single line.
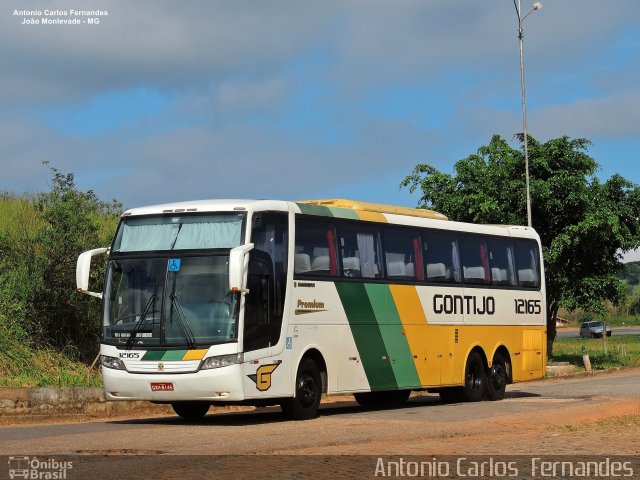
[(464, 304)]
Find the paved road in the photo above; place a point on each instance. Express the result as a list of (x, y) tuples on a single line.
[(617, 331), (539, 417)]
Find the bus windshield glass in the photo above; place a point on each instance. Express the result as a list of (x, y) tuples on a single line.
[(181, 301), (179, 232)]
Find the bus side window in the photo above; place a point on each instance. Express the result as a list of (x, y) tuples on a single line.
[(403, 255), (441, 257), (526, 259), (315, 252), (475, 260), (501, 260), (360, 248)]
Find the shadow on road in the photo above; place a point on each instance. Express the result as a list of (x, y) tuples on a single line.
[(270, 415)]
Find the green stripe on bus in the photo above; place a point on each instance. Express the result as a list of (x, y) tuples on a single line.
[(174, 355), (311, 209), (366, 334), (344, 213), (153, 355), (397, 345)]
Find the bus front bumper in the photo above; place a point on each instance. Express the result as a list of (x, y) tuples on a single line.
[(217, 384)]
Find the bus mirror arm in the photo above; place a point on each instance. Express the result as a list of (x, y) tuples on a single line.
[(83, 268), (238, 264)]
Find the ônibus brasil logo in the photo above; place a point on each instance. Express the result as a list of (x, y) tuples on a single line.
[(35, 468)]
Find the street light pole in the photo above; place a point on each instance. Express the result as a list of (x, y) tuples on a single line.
[(536, 6)]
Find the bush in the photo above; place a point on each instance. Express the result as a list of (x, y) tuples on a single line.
[(40, 240)]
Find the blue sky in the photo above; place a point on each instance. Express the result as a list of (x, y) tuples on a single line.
[(166, 101)]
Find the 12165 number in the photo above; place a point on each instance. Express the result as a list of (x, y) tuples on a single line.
[(531, 307)]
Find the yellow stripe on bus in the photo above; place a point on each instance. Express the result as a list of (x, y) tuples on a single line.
[(371, 216), (195, 354), (414, 323)]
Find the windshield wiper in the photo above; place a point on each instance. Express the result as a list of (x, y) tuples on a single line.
[(182, 320), (140, 322)]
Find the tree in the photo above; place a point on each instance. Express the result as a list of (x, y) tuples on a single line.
[(582, 222), (71, 224)]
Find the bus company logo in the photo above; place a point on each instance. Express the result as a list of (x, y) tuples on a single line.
[(262, 377), (309, 307), (49, 469)]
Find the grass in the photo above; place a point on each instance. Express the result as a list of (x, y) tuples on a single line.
[(622, 351), (24, 364)]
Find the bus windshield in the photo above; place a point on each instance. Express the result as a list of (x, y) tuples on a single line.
[(179, 232), (169, 301)]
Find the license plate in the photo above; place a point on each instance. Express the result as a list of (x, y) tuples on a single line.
[(162, 387)]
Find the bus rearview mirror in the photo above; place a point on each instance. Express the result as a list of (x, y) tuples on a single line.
[(238, 263), (83, 268)]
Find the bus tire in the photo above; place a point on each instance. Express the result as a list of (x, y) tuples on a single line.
[(391, 398), (451, 394), (475, 380), (191, 410), (308, 393), (497, 378)]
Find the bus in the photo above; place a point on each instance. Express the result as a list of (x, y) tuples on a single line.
[(265, 302)]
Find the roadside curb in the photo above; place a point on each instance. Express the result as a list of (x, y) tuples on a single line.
[(30, 401), (34, 402), (570, 376)]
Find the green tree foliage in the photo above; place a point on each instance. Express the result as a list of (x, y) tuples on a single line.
[(582, 221), (38, 253), (631, 273)]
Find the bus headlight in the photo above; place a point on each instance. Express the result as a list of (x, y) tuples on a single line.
[(221, 361), (112, 362)]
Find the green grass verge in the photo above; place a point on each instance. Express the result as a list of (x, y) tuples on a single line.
[(23, 364), (622, 351)]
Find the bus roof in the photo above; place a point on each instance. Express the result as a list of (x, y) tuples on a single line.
[(375, 208)]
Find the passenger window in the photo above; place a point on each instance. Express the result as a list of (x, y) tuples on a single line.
[(501, 261), (316, 251), (475, 260), (441, 257), (526, 259), (360, 248), (403, 254)]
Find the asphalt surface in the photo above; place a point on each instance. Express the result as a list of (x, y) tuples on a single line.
[(617, 331), (344, 441), (341, 422)]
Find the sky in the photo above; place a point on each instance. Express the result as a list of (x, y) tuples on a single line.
[(166, 101)]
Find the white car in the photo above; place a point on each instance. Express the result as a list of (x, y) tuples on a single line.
[(593, 329)]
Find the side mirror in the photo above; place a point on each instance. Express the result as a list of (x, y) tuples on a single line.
[(238, 263), (83, 267)]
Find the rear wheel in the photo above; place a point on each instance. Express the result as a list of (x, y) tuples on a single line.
[(392, 398), (497, 378), (475, 379), (191, 410), (308, 393)]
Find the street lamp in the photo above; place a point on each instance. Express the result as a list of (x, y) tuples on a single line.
[(536, 6)]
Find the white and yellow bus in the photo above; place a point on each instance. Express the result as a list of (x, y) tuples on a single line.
[(272, 302)]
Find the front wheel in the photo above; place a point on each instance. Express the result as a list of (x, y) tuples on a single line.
[(191, 410), (308, 392), (475, 379)]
